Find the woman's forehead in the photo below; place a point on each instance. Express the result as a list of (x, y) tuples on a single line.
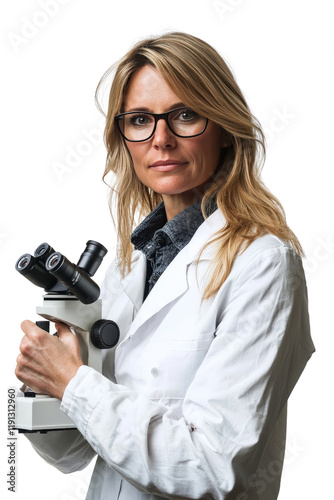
[(148, 89)]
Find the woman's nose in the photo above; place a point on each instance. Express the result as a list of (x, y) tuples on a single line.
[(163, 137)]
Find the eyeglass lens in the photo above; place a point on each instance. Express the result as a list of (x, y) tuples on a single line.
[(139, 126)]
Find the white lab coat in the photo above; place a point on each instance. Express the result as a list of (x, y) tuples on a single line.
[(194, 404)]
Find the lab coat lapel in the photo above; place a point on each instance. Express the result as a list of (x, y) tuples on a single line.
[(134, 282), (173, 282)]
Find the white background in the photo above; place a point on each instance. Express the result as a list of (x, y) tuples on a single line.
[(281, 54)]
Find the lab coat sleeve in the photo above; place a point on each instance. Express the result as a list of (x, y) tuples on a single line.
[(66, 450), (260, 347)]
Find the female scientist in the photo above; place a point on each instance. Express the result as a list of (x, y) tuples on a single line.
[(208, 292)]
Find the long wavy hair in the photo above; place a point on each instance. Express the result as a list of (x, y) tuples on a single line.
[(202, 80)]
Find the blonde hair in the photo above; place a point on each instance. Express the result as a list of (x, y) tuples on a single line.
[(199, 76)]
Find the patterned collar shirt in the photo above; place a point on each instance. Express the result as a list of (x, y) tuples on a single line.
[(161, 240)]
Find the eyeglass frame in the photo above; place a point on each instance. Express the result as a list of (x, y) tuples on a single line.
[(157, 117)]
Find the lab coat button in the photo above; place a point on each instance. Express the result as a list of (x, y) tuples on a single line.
[(154, 372)]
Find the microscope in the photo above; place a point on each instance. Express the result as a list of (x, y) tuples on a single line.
[(72, 297)]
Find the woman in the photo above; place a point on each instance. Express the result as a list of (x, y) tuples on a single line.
[(211, 303)]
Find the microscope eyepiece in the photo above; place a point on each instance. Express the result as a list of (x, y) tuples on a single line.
[(24, 263), (34, 271), (54, 261), (92, 257), (43, 251), (57, 275), (73, 277)]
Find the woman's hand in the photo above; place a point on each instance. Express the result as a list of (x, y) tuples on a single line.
[(47, 363)]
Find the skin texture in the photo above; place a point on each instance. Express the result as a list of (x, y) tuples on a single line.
[(180, 184), (46, 363)]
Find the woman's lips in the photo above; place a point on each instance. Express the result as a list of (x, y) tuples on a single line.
[(165, 165)]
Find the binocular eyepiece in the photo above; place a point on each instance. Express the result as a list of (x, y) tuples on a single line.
[(56, 274)]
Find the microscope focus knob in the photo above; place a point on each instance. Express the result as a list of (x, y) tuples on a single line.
[(104, 334)]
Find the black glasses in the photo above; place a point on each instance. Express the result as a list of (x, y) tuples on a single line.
[(138, 126)]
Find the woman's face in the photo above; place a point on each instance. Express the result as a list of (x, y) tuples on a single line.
[(177, 168)]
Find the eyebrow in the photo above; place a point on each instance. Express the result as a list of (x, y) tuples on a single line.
[(148, 110)]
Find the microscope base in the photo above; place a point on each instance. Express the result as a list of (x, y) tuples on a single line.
[(41, 413)]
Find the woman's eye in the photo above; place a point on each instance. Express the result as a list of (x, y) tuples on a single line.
[(187, 115), (139, 120)]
